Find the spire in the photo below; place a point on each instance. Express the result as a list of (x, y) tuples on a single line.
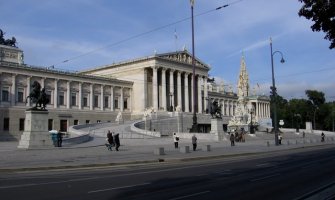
[(243, 81)]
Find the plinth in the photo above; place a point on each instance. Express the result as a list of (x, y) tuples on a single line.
[(217, 128), (35, 133)]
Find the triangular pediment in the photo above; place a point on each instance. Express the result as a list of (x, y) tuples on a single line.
[(182, 57)]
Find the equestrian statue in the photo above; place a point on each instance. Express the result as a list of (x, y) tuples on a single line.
[(216, 110), (38, 96)]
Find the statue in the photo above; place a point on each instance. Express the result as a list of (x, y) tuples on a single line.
[(2, 39), (216, 110), (38, 96), (8, 42)]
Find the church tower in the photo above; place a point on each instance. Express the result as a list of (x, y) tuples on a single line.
[(243, 80)]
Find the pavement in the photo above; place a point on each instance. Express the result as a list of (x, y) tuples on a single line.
[(139, 149)]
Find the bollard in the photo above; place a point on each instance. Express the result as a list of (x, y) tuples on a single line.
[(185, 149), (268, 143), (206, 148), (159, 151)]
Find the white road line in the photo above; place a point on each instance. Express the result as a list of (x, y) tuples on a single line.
[(263, 164), (265, 177), (191, 195), (115, 188)]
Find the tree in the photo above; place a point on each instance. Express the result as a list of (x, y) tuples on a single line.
[(322, 12), (316, 100)]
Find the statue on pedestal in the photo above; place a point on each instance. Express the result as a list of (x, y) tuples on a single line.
[(38, 96), (216, 110)]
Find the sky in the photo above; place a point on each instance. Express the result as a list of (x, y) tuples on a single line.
[(76, 35)]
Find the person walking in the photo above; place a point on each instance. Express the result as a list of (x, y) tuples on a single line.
[(322, 137), (117, 141), (110, 140), (194, 142), (59, 138), (232, 139), (175, 140), (279, 138), (303, 134)]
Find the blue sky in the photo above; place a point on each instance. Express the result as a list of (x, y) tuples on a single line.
[(91, 33)]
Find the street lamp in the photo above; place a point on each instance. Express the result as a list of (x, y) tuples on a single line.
[(274, 91), (171, 107), (195, 124), (251, 111)]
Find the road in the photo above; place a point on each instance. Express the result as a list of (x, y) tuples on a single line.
[(294, 174)]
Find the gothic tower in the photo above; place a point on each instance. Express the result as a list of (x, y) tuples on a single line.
[(243, 80)]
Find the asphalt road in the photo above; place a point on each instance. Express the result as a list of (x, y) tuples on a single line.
[(294, 174)]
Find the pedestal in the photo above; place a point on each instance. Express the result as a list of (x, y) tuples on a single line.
[(217, 128), (35, 133)]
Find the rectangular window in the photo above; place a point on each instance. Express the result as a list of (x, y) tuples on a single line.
[(48, 93), (116, 103), (63, 125), (73, 99), (21, 126), (98, 121), (125, 104), (75, 122), (20, 95), (6, 124), (5, 94), (106, 102), (87, 121), (50, 124), (61, 98), (85, 103), (96, 101)]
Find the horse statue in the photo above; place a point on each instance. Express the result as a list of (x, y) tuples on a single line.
[(216, 110), (38, 96), (11, 42)]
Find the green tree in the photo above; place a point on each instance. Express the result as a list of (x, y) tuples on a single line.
[(322, 12)]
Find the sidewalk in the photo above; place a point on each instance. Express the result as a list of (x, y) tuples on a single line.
[(133, 151)]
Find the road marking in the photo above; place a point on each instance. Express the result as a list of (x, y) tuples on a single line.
[(263, 164), (116, 188), (265, 177), (191, 195)]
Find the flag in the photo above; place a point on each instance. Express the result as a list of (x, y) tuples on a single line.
[(192, 2)]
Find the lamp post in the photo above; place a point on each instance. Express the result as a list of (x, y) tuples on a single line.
[(171, 107), (274, 91), (195, 124)]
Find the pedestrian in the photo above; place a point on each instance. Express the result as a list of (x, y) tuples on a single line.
[(303, 134), (194, 142), (232, 139), (117, 141), (279, 138), (59, 138), (175, 140), (110, 140), (322, 137)]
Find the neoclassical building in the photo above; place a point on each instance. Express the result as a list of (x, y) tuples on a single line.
[(162, 82)]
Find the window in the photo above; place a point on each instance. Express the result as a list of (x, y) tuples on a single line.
[(73, 99), (125, 104), (21, 126), (96, 101), (20, 95), (48, 93), (85, 103), (98, 121), (106, 102), (63, 125), (87, 121), (61, 98), (50, 123), (6, 124), (116, 103), (5, 94), (75, 122)]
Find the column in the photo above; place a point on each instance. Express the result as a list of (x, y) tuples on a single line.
[(28, 91), (68, 96), (42, 83), (80, 98), (91, 96), (154, 88), (130, 103), (199, 96), (223, 108), (145, 89), (13, 88), (112, 98), (180, 104), (56, 94), (121, 99), (192, 93), (164, 95), (171, 89), (205, 93), (102, 97), (187, 107), (231, 108)]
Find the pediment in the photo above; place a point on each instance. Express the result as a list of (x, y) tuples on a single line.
[(183, 57)]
